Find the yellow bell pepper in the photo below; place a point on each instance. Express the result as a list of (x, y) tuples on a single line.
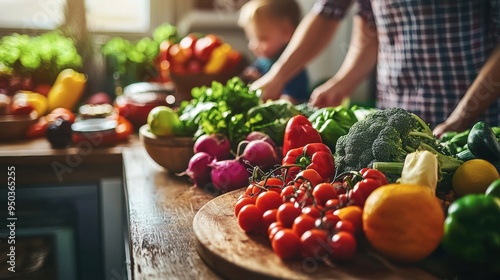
[(38, 101), (67, 89), (218, 59)]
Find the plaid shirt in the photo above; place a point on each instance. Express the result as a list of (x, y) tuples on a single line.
[(429, 51)]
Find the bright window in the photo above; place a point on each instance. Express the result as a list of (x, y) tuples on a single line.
[(102, 15)]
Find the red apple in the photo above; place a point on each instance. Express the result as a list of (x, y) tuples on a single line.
[(205, 45)]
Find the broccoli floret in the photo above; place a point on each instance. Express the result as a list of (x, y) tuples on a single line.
[(388, 136)]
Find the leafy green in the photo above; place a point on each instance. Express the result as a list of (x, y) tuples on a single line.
[(134, 61), (39, 57)]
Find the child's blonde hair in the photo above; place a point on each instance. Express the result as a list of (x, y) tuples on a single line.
[(254, 10)]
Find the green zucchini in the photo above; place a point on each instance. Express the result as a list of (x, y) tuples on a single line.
[(482, 142)]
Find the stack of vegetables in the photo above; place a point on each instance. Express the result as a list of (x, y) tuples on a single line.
[(317, 183), (380, 184)]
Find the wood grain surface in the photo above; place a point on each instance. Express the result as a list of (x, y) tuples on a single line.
[(161, 211), (237, 255)]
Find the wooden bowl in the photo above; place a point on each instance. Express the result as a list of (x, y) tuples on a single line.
[(14, 127), (172, 153)]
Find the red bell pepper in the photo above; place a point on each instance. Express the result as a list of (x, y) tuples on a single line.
[(315, 156), (298, 133)]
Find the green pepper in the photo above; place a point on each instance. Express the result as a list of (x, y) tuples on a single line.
[(332, 122), (472, 231), (483, 143), (494, 188)]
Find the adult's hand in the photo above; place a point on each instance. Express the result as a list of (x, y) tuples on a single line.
[(327, 94), (450, 125), (270, 86)]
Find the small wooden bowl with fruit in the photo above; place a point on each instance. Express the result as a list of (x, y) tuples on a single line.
[(169, 151), (16, 116)]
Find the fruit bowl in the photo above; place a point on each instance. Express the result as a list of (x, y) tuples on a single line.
[(172, 153), (14, 127)]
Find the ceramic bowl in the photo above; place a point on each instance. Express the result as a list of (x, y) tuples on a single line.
[(172, 153)]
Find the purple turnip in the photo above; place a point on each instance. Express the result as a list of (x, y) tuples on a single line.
[(228, 175), (199, 169), (216, 145), (260, 153)]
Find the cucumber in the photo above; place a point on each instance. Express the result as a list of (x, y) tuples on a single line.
[(465, 155), (482, 142)]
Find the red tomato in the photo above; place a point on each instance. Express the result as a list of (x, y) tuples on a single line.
[(324, 192), (250, 218), (287, 213), (345, 226), (303, 223), (286, 244), (312, 211), (273, 228), (303, 197), (269, 217), (329, 221), (287, 192), (268, 200), (310, 175), (240, 203), (353, 214), (343, 245), (314, 243)]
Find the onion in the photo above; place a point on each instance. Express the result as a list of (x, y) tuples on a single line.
[(216, 145), (228, 175), (199, 169), (260, 153)]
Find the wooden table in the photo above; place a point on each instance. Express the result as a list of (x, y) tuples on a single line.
[(161, 211)]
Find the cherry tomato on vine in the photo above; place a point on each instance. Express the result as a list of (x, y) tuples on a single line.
[(269, 217), (287, 192), (353, 214), (345, 226), (323, 192), (343, 245), (303, 223), (310, 175), (312, 211), (287, 213), (268, 200), (286, 244), (329, 221), (242, 202), (273, 229), (250, 218), (314, 243)]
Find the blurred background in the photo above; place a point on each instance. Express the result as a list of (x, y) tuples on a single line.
[(94, 23)]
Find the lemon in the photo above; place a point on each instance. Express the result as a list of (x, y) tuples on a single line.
[(474, 176)]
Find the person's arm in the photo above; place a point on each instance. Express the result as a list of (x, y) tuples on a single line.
[(360, 60), (481, 94), (311, 36)]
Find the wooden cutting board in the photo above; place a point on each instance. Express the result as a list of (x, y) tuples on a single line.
[(236, 255)]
